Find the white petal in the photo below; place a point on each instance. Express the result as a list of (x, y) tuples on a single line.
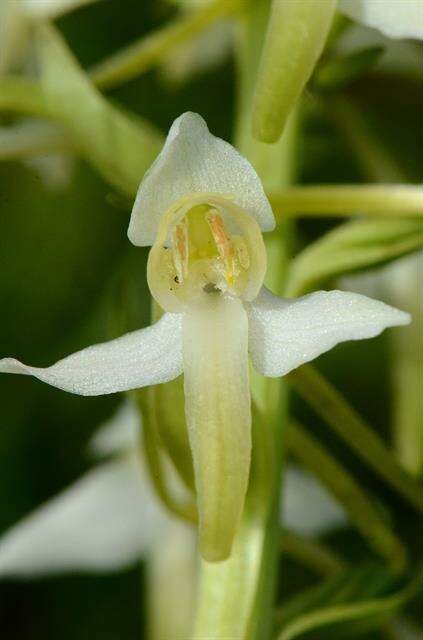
[(194, 161), (50, 9), (120, 433), (148, 356), (286, 333), (394, 18), (103, 522), (306, 505)]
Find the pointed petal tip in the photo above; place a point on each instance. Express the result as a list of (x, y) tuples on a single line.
[(148, 356), (11, 365), (286, 333)]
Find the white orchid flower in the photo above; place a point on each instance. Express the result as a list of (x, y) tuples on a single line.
[(394, 18), (203, 209), (110, 519)]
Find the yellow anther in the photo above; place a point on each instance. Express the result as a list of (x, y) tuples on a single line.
[(241, 252), (180, 249), (224, 244)]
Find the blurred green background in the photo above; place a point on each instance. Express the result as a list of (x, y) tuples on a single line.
[(63, 253)]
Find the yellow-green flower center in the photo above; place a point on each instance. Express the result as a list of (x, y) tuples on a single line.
[(205, 248)]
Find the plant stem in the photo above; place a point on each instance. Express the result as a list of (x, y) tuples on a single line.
[(353, 430), (379, 165), (314, 555), (355, 501), (384, 200), (152, 48)]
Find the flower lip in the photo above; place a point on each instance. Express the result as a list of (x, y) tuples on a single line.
[(205, 244)]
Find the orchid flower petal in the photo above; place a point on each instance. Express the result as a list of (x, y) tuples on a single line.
[(105, 521), (307, 507), (50, 9), (394, 18), (286, 333), (194, 161), (148, 356), (217, 406)]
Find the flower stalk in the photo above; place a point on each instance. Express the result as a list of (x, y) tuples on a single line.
[(376, 200)]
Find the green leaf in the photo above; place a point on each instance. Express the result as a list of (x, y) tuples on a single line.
[(363, 513), (340, 71), (121, 147), (350, 426), (346, 606), (352, 246)]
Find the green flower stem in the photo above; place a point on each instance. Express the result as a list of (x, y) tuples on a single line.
[(151, 49), (374, 611), (350, 426), (384, 200), (376, 162), (22, 96), (363, 513), (295, 39), (314, 555), (353, 245), (155, 461), (171, 573), (236, 597), (30, 139)]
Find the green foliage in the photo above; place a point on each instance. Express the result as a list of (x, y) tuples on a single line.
[(339, 71), (353, 246), (120, 146), (348, 605)]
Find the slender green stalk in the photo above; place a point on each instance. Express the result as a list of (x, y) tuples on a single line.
[(151, 49), (374, 611), (171, 583), (152, 449), (379, 165), (295, 39), (359, 507), (350, 426), (383, 200), (376, 162), (314, 555), (22, 96)]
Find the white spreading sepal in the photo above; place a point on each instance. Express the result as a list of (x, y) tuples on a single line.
[(195, 161), (285, 333), (149, 356)]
